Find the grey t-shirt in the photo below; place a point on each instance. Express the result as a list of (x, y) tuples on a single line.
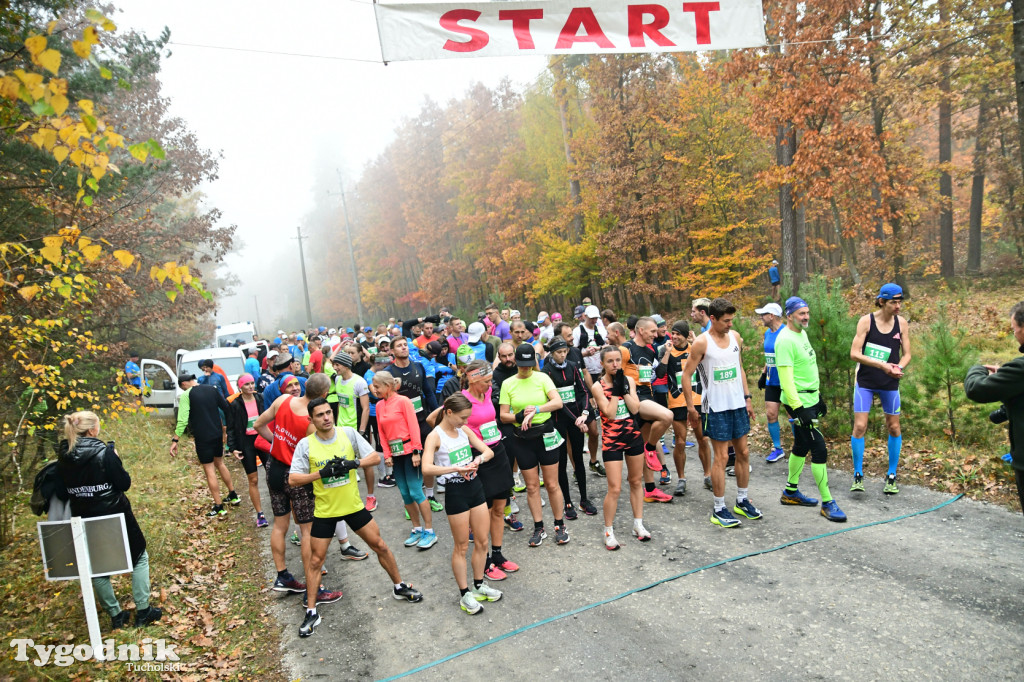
[(300, 459)]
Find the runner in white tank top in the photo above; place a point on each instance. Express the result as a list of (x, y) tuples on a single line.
[(719, 372)]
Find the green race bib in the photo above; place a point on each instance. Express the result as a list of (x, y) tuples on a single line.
[(646, 373), (417, 404), (345, 400), (723, 375), (338, 481), (567, 394), (876, 352), (251, 424), (396, 446), (461, 456), (372, 350), (552, 440), (769, 359), (489, 433), (679, 378), (621, 411)]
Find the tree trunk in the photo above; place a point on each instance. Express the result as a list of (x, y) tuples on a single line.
[(977, 192), (848, 252), (1018, 71), (945, 158), (784, 157), (561, 94)]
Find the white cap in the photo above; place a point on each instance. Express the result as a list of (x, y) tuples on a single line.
[(272, 354), (542, 316), (773, 308), (592, 312), (383, 339), (332, 331), (475, 331)]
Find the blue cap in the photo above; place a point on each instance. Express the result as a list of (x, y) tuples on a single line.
[(890, 292), (300, 336), (794, 303), (367, 329), (277, 340), (350, 330), (322, 329)]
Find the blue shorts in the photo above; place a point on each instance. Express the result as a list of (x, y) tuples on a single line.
[(727, 425), (864, 397)]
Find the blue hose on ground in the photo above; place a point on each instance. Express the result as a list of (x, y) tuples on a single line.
[(617, 597)]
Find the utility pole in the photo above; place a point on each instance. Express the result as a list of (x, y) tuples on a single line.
[(305, 285), (351, 254), (256, 302)]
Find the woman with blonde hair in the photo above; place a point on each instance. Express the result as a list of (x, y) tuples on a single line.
[(96, 483)]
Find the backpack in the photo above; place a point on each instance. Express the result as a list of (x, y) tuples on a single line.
[(48, 483)]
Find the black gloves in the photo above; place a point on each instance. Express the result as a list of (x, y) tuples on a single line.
[(806, 416), (338, 467), (619, 385), (762, 382)]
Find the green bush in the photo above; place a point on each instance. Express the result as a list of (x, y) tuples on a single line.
[(753, 347)]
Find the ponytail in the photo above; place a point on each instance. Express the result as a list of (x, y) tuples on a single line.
[(78, 424)]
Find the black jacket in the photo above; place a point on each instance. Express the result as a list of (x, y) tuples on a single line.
[(96, 483), (237, 418), (569, 376), (1005, 386)]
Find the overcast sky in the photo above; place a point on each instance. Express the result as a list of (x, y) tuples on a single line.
[(282, 121)]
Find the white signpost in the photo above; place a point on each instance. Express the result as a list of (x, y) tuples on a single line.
[(83, 549)]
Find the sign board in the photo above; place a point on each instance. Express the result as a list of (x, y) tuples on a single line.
[(105, 537), (523, 27)]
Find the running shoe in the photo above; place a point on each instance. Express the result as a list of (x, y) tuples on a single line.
[(890, 485), (427, 540), (610, 542), (858, 483), (414, 538), (261, 520), (387, 482), (570, 512), (295, 539), (690, 445), (538, 537), (471, 535), (724, 518), (561, 535), (352, 553), (513, 505), (218, 510), (517, 483), (514, 524), (641, 533), (651, 458), (730, 471), (469, 604), (588, 507), (406, 592), (664, 448), (775, 455), (434, 504), (439, 488), (543, 502), (540, 477), (485, 593), (323, 570), (371, 503), (508, 566), (323, 596), (1008, 458), (492, 572), (598, 468), (746, 508), (831, 511), (309, 624), (288, 584), (707, 483), (666, 478), (233, 499), (657, 496), (680, 487), (798, 498)]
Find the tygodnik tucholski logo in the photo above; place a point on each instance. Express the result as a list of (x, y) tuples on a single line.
[(147, 655)]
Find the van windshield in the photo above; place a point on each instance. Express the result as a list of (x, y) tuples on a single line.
[(231, 366), (234, 340)]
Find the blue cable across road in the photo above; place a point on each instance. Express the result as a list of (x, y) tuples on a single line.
[(587, 607)]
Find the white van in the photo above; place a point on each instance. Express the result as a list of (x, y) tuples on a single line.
[(234, 335), (163, 383)]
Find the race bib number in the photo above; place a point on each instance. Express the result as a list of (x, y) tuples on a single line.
[(769, 359), (461, 456), (372, 350), (417, 404), (679, 378), (251, 424), (567, 394), (489, 433), (396, 446), (338, 481), (876, 352), (722, 375), (621, 411), (345, 400), (552, 440), (646, 373)]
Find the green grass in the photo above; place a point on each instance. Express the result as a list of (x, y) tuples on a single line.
[(207, 575)]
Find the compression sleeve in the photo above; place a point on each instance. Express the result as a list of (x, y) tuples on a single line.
[(184, 405), (788, 383)]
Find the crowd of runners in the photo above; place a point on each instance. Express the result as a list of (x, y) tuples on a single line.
[(486, 414)]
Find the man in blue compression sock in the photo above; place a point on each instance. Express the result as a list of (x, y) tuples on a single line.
[(771, 315)]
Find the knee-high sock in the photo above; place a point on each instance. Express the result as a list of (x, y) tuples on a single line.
[(773, 431), (895, 447), (857, 445), (796, 466), (820, 472)]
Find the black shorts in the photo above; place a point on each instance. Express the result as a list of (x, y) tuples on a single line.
[(496, 474), (286, 498), (679, 414), (324, 528), (530, 452), (645, 393), (209, 450), (249, 454), (461, 496), (633, 449), (773, 394)]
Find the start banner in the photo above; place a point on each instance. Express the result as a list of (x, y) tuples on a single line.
[(520, 27)]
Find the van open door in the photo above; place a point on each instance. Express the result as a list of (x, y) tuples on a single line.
[(160, 390)]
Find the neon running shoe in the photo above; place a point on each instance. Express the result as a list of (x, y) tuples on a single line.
[(775, 455), (295, 539), (414, 538), (724, 518), (651, 458), (890, 485), (517, 483), (469, 604), (538, 537), (831, 511), (657, 495), (508, 566), (406, 592), (261, 520), (407, 515), (798, 498), (598, 468), (435, 505), (218, 510), (746, 508), (641, 533), (427, 540), (513, 523), (485, 593), (371, 503), (858, 483), (492, 572), (610, 543), (666, 478), (233, 499)]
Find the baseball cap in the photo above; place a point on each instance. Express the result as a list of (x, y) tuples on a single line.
[(185, 376), (592, 312), (367, 329), (794, 303), (283, 360), (526, 356), (464, 355), (277, 340), (775, 262), (475, 331), (578, 310), (773, 308), (891, 292), (658, 320), (271, 355), (434, 349), (383, 339), (542, 316)]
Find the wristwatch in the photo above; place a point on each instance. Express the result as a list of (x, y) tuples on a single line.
[(174, 439)]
